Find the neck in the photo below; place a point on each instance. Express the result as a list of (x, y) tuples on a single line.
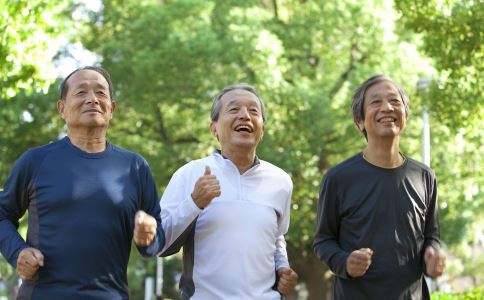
[(242, 160), (91, 142), (385, 155)]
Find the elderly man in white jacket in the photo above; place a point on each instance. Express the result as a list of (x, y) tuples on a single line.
[(230, 210)]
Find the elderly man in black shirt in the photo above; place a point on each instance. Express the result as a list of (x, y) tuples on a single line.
[(378, 227)]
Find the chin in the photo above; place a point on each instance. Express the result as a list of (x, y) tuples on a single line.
[(245, 144), (94, 124), (389, 135)]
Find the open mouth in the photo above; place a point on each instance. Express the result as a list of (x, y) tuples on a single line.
[(92, 111), (387, 120), (244, 128)]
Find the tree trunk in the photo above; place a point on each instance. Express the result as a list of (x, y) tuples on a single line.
[(314, 273)]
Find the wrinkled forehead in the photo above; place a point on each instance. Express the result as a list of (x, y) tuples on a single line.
[(384, 86), (87, 78), (381, 88)]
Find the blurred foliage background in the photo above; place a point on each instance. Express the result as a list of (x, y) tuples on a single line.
[(169, 58)]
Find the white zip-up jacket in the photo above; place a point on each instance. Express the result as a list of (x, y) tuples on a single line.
[(233, 247)]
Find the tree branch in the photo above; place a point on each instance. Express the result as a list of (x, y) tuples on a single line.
[(164, 134), (276, 9), (345, 75), (161, 125)]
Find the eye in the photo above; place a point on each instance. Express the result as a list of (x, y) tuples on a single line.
[(101, 93), (395, 101), (233, 109), (81, 92)]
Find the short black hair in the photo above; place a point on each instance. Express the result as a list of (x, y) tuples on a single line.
[(64, 87)]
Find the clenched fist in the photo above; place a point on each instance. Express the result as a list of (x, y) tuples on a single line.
[(28, 262), (206, 188), (434, 262), (287, 280), (358, 262), (144, 228)]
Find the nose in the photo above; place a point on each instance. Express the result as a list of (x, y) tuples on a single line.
[(386, 106), (92, 98), (244, 114)]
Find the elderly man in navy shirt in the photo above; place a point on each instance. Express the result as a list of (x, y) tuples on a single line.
[(86, 199)]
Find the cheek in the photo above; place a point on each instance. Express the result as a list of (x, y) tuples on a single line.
[(403, 117), (403, 122), (68, 110), (222, 130)]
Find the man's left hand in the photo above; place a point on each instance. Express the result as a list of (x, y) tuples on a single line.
[(287, 280), (144, 228), (434, 262)]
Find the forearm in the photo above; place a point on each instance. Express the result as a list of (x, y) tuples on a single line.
[(11, 243), (280, 257), (432, 227), (435, 243), (331, 253), (176, 221)]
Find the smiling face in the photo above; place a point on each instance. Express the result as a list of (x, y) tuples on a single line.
[(240, 124), (384, 112), (87, 102)]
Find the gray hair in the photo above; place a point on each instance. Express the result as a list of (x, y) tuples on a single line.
[(358, 99), (217, 104)]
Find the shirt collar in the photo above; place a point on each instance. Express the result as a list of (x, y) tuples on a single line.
[(256, 159)]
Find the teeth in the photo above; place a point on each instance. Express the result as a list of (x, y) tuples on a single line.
[(238, 128), (387, 120)]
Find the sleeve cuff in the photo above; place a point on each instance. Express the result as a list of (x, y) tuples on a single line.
[(13, 260), (340, 268), (282, 265), (189, 205)]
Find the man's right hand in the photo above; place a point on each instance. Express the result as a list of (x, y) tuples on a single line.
[(28, 262), (358, 262), (206, 188)]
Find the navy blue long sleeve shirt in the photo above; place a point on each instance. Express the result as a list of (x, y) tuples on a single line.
[(81, 209)]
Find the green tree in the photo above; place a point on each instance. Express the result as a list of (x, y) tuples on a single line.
[(31, 34), (452, 33)]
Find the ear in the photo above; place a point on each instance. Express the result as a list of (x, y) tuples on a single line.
[(213, 129), (60, 108), (361, 125), (262, 132), (113, 108)]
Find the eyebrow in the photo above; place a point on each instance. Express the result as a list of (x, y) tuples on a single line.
[(233, 102), (96, 85), (389, 94)]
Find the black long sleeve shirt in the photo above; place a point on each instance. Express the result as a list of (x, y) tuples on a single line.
[(391, 211)]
